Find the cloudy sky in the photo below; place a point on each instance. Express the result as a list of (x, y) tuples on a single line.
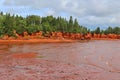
[(90, 13)]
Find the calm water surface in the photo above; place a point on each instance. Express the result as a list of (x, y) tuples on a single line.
[(102, 54)]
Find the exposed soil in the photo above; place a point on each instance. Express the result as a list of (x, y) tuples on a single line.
[(35, 41)]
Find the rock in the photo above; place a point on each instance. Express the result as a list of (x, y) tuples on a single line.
[(5, 37), (94, 35), (103, 36), (112, 36), (66, 35), (78, 36), (118, 36), (72, 36), (88, 36), (59, 35), (25, 33)]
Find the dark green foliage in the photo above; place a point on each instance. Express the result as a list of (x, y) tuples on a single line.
[(76, 26), (8, 25), (97, 30), (20, 26), (33, 20), (109, 30), (33, 23), (70, 25), (116, 30)]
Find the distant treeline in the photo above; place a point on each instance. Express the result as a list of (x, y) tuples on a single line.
[(34, 23)]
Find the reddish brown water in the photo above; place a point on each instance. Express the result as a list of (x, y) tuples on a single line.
[(102, 54)]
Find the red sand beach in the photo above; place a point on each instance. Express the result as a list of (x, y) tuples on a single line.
[(36, 41), (46, 40)]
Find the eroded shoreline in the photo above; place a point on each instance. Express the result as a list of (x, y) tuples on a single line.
[(37, 41), (47, 40)]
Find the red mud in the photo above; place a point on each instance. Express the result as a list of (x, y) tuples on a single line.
[(29, 66), (36, 41), (23, 55), (37, 69)]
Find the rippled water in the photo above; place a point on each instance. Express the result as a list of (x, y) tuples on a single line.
[(102, 54)]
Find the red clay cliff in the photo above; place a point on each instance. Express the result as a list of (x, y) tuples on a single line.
[(57, 37)]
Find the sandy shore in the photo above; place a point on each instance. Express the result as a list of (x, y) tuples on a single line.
[(37, 41), (48, 40), (29, 67)]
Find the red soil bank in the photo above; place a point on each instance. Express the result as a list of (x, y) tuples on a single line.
[(56, 37)]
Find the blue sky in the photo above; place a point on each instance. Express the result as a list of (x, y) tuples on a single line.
[(90, 13)]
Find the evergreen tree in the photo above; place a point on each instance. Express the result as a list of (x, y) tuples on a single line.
[(116, 30), (70, 24), (76, 26), (34, 23), (97, 31), (8, 25)]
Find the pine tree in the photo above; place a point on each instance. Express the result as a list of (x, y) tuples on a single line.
[(70, 24)]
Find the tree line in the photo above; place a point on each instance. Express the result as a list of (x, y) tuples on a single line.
[(34, 23), (109, 30)]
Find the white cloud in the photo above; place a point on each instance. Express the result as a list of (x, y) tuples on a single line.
[(50, 12), (88, 12)]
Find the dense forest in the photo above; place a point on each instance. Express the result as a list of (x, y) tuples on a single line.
[(33, 23)]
